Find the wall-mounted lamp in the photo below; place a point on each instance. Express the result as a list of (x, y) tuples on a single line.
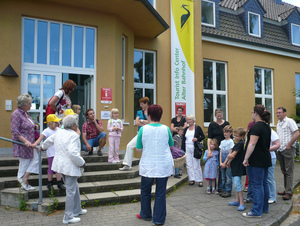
[(9, 71)]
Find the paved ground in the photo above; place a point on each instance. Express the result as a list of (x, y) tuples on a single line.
[(189, 205)]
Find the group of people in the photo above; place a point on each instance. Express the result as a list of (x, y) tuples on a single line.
[(227, 159), (62, 144)]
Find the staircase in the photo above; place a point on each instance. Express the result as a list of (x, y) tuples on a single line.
[(101, 184)]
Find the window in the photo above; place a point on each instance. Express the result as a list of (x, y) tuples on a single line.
[(58, 44), (297, 93), (214, 89), (123, 76), (264, 88), (254, 24), (295, 34), (208, 13), (144, 77)]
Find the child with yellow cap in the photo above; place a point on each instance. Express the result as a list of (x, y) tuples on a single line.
[(52, 121)]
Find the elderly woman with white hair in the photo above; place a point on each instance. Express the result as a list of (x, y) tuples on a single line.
[(22, 129), (192, 134), (69, 163)]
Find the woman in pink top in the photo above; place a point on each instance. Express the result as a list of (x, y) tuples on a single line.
[(22, 129)]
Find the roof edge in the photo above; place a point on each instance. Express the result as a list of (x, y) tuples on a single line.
[(148, 5), (250, 43)]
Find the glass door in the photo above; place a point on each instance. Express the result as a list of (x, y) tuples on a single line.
[(41, 86)]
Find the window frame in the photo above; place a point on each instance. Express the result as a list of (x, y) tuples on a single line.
[(214, 14), (296, 25), (36, 20), (214, 90), (259, 25), (143, 85), (123, 77), (263, 96)]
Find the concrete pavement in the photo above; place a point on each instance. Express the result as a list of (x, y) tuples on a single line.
[(188, 205)]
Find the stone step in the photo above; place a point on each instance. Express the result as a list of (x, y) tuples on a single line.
[(85, 188), (9, 171), (12, 161), (102, 198), (93, 176)]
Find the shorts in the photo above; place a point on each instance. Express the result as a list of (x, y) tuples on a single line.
[(237, 183), (50, 160)]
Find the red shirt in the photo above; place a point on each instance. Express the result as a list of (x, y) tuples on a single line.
[(90, 129)]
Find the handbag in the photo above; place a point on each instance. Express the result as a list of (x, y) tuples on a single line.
[(198, 150)]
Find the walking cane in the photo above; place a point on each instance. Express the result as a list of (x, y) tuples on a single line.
[(40, 167)]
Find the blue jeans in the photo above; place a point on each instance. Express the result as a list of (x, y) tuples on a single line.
[(94, 142), (271, 180), (249, 194), (260, 189), (226, 180), (160, 208), (176, 171)]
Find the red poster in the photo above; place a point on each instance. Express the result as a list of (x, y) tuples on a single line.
[(106, 95), (181, 104)]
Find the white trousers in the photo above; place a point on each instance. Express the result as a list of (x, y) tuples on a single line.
[(73, 203), (129, 152), (28, 165), (193, 166)]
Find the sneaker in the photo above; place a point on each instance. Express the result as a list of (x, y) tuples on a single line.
[(30, 188), (241, 208), (246, 189), (234, 203), (82, 212), (72, 221), (125, 168), (24, 186), (221, 193), (249, 214), (99, 153), (247, 200), (271, 201), (208, 191), (215, 192), (226, 195), (177, 176), (91, 152)]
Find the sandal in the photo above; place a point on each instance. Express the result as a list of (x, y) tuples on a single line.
[(200, 184), (192, 183)]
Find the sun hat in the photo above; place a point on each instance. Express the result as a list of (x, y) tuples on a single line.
[(69, 112), (52, 118)]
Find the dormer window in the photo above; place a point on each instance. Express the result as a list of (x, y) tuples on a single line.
[(254, 27), (296, 34), (208, 13)]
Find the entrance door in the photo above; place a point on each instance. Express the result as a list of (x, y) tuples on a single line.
[(41, 86)]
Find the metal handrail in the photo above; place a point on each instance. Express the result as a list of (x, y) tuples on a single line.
[(40, 166)]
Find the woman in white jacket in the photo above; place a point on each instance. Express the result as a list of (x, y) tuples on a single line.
[(69, 163)]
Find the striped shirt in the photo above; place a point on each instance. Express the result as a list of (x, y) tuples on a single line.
[(285, 131)]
